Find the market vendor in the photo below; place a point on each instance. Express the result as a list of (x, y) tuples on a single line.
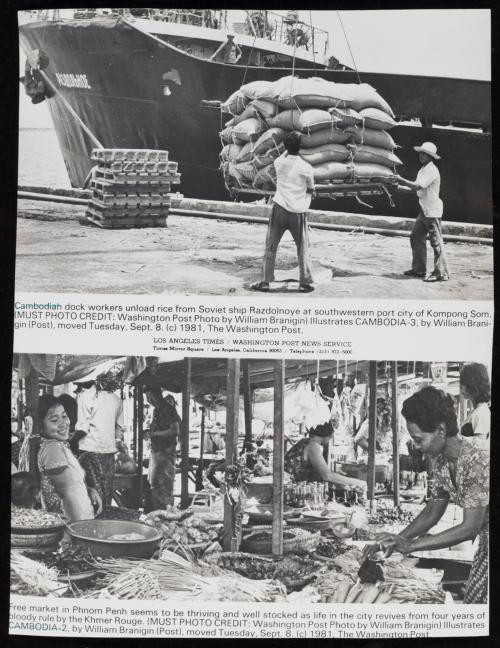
[(305, 461), (475, 386), (164, 429), (461, 469), (384, 430), (62, 478)]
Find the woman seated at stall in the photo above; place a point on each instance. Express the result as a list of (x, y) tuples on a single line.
[(460, 473), (475, 386), (305, 461), (62, 478)]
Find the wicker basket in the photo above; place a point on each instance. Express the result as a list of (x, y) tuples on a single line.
[(39, 539), (295, 540)]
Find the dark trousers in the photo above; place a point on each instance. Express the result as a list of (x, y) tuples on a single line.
[(280, 221), (428, 227)]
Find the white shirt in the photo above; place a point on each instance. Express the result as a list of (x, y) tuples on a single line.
[(480, 419), (100, 416), (293, 177), (429, 179)]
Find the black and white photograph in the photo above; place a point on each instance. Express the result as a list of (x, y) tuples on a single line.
[(337, 154), (255, 480)]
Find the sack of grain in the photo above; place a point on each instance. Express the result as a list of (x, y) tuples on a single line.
[(363, 95), (256, 89), (247, 170), (377, 119), (249, 130), (246, 152), (331, 171), (371, 171), (371, 137), (374, 154), (270, 137), (344, 117), (233, 176), (314, 93), (236, 103), (264, 108), (324, 153), (265, 176), (307, 120), (273, 91), (230, 152), (324, 136), (260, 160), (226, 135)]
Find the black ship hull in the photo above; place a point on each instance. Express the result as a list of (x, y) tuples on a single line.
[(108, 81)]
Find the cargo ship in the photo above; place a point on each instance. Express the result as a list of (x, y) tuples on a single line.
[(145, 79)]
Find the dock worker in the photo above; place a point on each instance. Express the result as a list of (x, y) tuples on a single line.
[(294, 189), (229, 50), (428, 222)]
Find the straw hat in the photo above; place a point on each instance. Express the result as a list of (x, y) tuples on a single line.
[(429, 148)]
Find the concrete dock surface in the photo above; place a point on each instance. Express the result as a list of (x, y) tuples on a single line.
[(55, 253)]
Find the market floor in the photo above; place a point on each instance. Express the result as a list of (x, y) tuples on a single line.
[(204, 256)]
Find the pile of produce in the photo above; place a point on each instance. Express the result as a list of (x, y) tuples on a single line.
[(183, 527), (73, 559), (344, 131), (31, 578), (387, 514), (331, 548), (287, 570), (24, 518), (137, 583)]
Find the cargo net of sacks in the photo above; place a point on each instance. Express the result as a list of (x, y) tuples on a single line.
[(131, 188), (344, 131)]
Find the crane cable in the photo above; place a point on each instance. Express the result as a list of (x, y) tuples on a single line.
[(349, 46)]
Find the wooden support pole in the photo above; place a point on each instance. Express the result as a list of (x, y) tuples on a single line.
[(230, 541), (278, 456), (247, 404), (186, 400), (395, 432), (372, 428), (140, 442), (199, 472), (135, 445), (32, 387)]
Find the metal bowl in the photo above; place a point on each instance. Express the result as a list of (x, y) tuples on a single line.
[(94, 535)]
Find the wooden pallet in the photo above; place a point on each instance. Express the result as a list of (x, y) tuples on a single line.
[(125, 220), (122, 178), (129, 155)]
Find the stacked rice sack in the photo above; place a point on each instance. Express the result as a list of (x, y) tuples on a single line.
[(344, 131)]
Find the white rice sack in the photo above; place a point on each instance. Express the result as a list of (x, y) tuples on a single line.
[(265, 176), (267, 157), (331, 171), (273, 91), (371, 137), (236, 103), (246, 152), (307, 120), (247, 170), (266, 109), (235, 175), (230, 152), (363, 170), (226, 135), (345, 117), (325, 136), (374, 154), (249, 130), (363, 95), (377, 119), (270, 137), (324, 153), (314, 93), (256, 89)]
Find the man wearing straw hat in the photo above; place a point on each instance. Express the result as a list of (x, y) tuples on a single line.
[(428, 223)]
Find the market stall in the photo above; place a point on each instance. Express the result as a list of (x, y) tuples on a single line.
[(254, 537)]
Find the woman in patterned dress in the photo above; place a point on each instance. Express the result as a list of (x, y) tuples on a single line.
[(460, 472), (62, 478), (305, 461)]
